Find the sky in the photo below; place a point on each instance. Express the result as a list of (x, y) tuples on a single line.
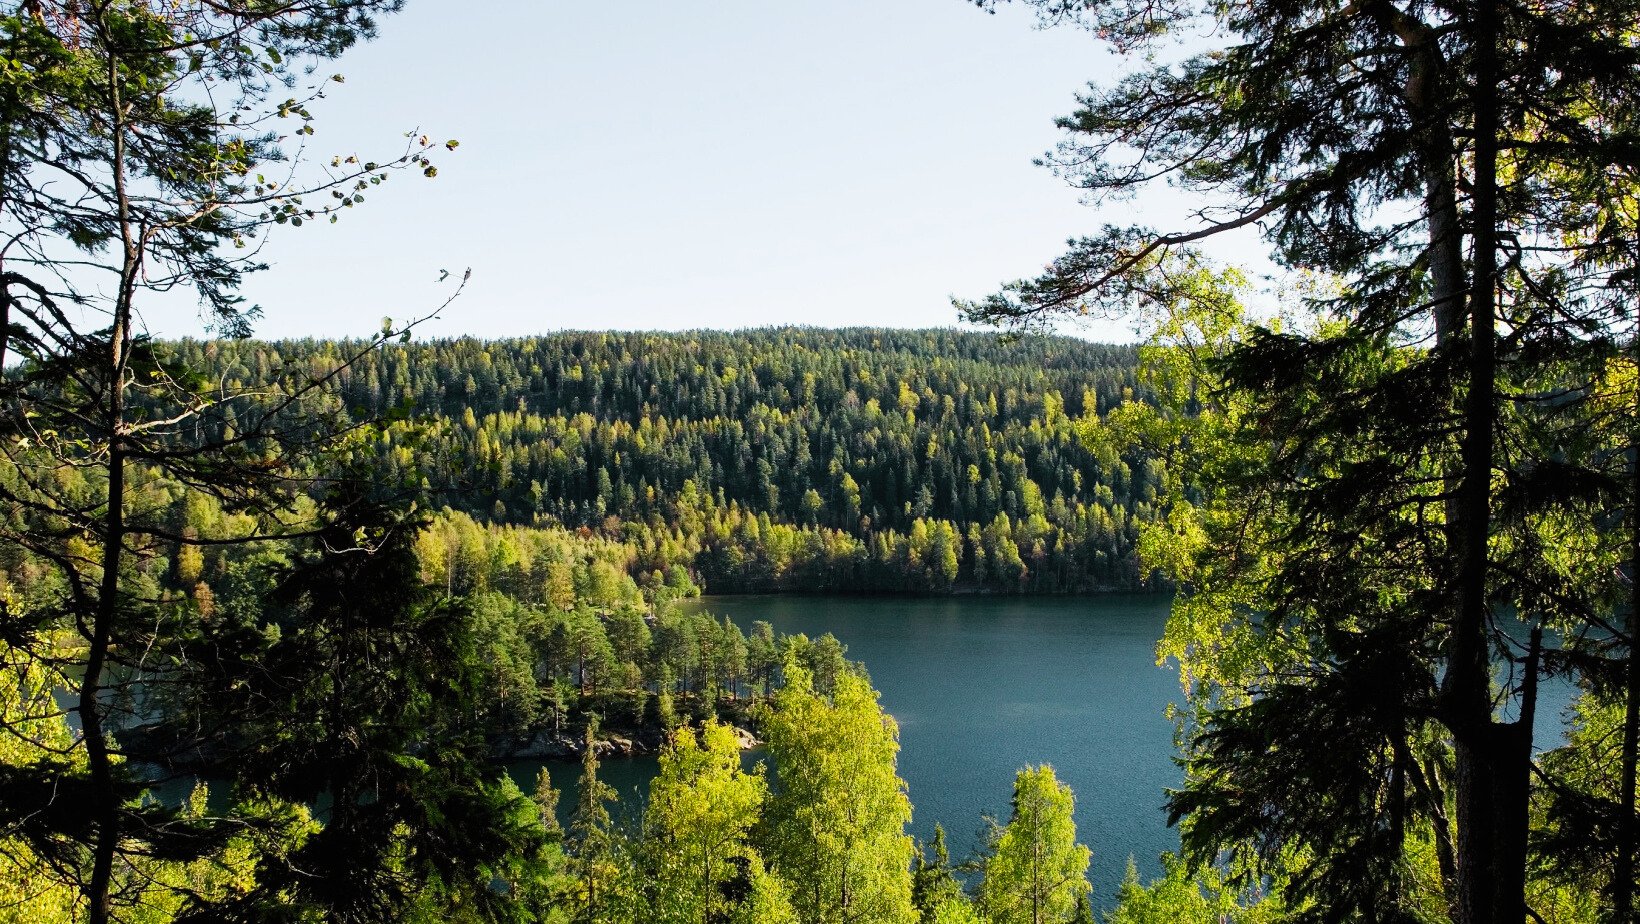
[(669, 165)]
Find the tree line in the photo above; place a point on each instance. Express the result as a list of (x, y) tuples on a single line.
[(780, 459), (347, 699)]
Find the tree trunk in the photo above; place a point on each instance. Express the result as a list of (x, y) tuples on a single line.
[(105, 810), (1627, 842), (106, 804), (1493, 759)]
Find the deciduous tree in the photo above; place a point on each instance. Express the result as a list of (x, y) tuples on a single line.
[(1036, 872), (835, 830), (701, 810)]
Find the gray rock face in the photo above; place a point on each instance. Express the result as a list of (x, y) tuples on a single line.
[(546, 746)]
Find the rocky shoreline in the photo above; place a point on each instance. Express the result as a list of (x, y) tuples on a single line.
[(546, 745)]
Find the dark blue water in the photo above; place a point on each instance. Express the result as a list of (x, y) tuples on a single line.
[(982, 686)]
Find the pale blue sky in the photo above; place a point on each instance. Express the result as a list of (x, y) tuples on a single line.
[(719, 163)]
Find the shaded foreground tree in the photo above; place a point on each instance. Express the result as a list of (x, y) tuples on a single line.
[(1430, 449), (356, 690), (142, 157)]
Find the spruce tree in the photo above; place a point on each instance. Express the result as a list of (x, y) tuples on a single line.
[(1416, 459), (933, 883), (600, 864)]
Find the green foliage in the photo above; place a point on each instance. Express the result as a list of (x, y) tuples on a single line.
[(362, 701), (1036, 872), (835, 830), (955, 911), (31, 890), (601, 866), (1180, 896), (134, 138), (1431, 500), (701, 810), (762, 460), (933, 881)]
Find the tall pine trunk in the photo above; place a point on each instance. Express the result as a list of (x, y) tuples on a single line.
[(1627, 841), (105, 808), (1493, 759)]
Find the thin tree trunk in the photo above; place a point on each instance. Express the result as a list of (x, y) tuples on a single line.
[(1447, 304), (1512, 791), (1425, 72), (1627, 842), (1490, 804), (99, 761)]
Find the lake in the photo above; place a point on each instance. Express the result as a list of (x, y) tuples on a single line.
[(982, 686)]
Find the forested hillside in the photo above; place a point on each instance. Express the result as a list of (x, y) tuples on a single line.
[(777, 459)]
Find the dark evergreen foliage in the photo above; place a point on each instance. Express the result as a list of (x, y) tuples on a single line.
[(884, 459)]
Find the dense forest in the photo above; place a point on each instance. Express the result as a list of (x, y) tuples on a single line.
[(337, 583), (345, 704), (778, 459)]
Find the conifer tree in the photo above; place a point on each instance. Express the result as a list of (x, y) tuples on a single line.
[(600, 867), (354, 687), (546, 891), (546, 799), (933, 882), (139, 155), (1417, 452)]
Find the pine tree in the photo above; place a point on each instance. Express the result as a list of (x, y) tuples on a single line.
[(1446, 168), (355, 686), (132, 157), (546, 802)]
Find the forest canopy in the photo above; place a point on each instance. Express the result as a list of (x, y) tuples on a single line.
[(777, 459)]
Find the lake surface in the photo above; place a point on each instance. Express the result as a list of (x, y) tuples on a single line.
[(982, 686)]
